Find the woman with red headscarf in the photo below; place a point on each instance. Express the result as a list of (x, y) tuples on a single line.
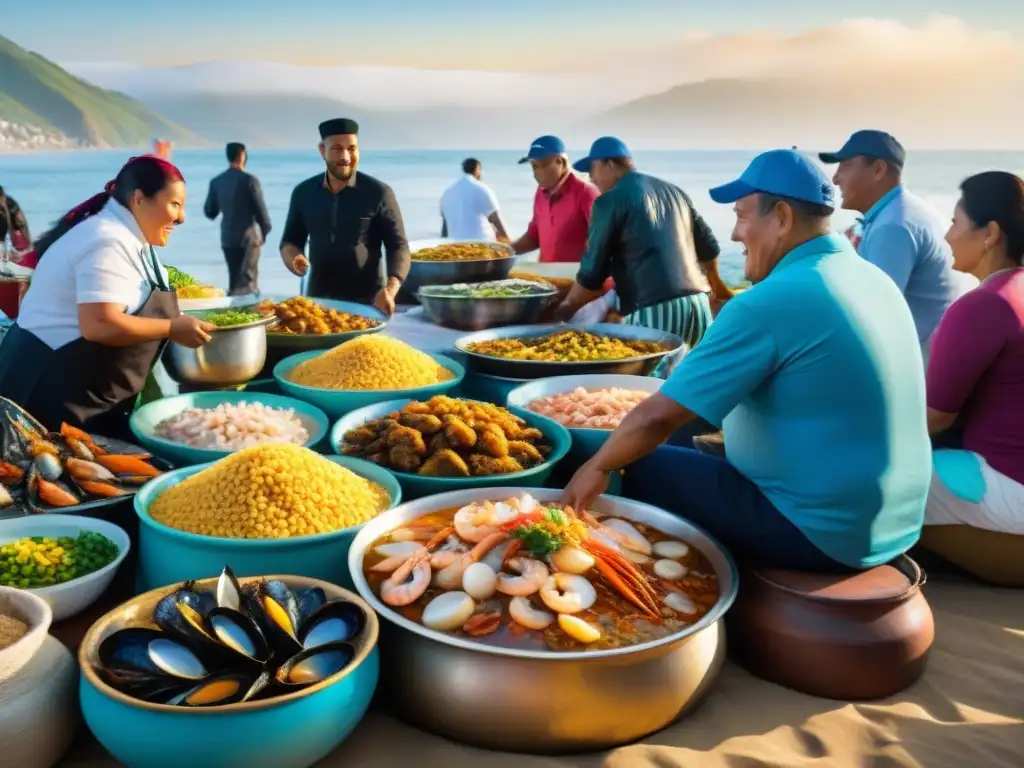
[(100, 308)]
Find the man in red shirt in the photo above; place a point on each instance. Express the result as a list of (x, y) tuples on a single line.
[(561, 207)]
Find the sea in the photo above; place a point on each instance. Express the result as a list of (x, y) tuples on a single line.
[(48, 184)]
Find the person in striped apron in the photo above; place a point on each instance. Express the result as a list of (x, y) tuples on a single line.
[(646, 234)]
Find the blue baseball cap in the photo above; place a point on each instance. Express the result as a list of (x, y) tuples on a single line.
[(604, 148), (874, 144), (782, 172), (542, 147)]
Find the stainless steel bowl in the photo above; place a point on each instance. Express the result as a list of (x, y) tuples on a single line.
[(233, 356), (545, 701), (450, 272), (535, 369), (477, 314), (302, 342)]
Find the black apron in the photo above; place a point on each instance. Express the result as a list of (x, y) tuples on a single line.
[(86, 384)]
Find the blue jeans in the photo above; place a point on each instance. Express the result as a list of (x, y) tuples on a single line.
[(712, 493)]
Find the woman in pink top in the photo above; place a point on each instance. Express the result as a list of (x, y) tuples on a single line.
[(976, 369)]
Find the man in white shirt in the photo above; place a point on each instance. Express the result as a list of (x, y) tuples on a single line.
[(469, 209)]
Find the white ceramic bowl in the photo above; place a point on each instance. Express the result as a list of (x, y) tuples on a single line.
[(35, 612), (71, 597)]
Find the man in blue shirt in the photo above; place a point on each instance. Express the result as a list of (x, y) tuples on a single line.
[(815, 376), (902, 235)]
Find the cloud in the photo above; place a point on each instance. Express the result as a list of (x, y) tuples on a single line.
[(371, 87), (850, 50)]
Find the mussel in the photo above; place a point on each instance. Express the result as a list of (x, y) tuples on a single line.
[(276, 611), (229, 592), (157, 689), (313, 665), (239, 633), (336, 621), (150, 652), (310, 601), (183, 616), (218, 690)]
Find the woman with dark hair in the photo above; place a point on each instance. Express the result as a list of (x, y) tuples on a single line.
[(976, 369), (100, 308)]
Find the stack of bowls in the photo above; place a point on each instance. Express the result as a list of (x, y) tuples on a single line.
[(338, 402), (145, 420), (168, 555)]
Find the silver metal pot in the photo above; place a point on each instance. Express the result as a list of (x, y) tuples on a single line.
[(233, 356), (450, 272), (545, 701), (477, 314)]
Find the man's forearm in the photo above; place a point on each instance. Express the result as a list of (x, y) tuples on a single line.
[(525, 244), (637, 436), (289, 253)]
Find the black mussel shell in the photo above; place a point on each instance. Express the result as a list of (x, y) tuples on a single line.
[(156, 689), (239, 633), (152, 652), (335, 622), (218, 690), (276, 611), (177, 615), (229, 591), (312, 665), (310, 601)]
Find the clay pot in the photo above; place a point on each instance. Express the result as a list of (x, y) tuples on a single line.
[(847, 637)]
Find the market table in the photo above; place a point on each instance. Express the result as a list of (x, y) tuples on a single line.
[(967, 710)]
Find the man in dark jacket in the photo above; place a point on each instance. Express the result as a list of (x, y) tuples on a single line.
[(645, 233), (236, 196)]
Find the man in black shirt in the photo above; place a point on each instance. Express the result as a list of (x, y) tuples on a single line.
[(245, 223), (347, 217)]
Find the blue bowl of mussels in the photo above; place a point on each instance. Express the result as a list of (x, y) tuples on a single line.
[(265, 672)]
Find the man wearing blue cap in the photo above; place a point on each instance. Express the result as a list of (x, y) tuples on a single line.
[(561, 205), (901, 234), (815, 376), (645, 233)]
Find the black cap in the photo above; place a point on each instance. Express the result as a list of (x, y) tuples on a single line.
[(878, 145), (338, 126)]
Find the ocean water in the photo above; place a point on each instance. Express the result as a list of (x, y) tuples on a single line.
[(46, 185)]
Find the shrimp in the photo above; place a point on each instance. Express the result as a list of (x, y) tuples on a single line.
[(406, 585), (444, 558), (566, 593), (451, 577), (523, 613), (533, 575), (419, 554), (475, 522)]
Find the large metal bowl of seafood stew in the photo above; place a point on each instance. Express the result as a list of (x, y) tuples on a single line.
[(468, 585), (565, 350)]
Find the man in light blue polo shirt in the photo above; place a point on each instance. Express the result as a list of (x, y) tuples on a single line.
[(902, 234), (815, 376)]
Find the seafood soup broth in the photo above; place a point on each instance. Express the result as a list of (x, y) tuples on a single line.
[(620, 622)]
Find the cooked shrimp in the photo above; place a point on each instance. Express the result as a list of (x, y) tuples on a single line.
[(406, 585), (522, 612), (475, 522), (443, 558), (566, 593), (451, 577), (533, 574)]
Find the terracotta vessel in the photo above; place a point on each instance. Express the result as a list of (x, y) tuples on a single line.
[(848, 637)]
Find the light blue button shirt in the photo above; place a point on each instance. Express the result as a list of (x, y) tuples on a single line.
[(905, 238), (815, 376)]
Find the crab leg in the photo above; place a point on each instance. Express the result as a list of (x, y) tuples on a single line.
[(614, 579)]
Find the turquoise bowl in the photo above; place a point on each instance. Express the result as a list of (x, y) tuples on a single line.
[(169, 556), (144, 422), (490, 389), (294, 731), (338, 402), (585, 442), (416, 486)]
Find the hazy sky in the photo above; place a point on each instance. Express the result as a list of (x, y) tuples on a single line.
[(516, 35)]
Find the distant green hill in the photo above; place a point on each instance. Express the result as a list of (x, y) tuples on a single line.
[(36, 92)]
